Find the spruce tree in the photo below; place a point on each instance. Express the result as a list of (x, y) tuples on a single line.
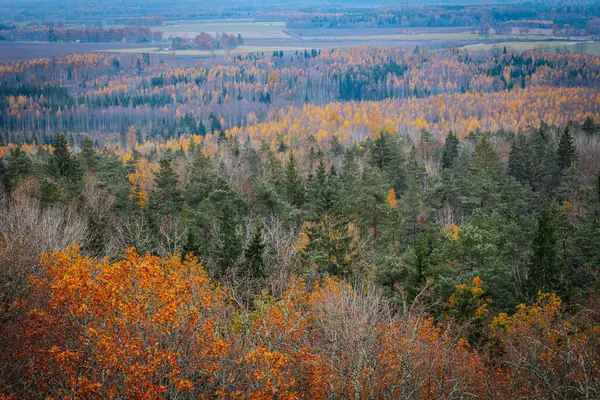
[(450, 150), (89, 157), (294, 188), (544, 266), (63, 164), (166, 198), (254, 253), (519, 160), (566, 153), (486, 157), (589, 126), (96, 233)]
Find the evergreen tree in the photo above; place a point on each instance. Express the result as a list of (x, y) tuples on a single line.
[(589, 126), (566, 153), (254, 253), (320, 192), (89, 157), (96, 233), (519, 160), (450, 150), (545, 269), (293, 186), (166, 197), (486, 157), (63, 164), (201, 128), (18, 165)]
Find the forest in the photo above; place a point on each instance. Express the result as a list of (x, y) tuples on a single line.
[(367, 221)]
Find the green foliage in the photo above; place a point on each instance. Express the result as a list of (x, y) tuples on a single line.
[(293, 186), (166, 198), (16, 166), (566, 153), (546, 269), (254, 252), (450, 150)]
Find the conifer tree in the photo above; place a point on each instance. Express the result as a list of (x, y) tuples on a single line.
[(63, 164), (166, 198), (450, 150), (294, 188), (589, 126), (88, 155), (96, 232), (254, 253), (566, 153), (486, 157), (545, 266)]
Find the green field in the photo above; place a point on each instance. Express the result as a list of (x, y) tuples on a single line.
[(203, 53)]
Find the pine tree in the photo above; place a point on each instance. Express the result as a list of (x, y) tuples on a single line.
[(566, 153), (254, 253), (450, 151)]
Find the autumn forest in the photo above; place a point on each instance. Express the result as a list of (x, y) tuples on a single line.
[(226, 216)]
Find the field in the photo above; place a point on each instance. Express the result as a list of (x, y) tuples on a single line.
[(552, 46), (246, 28), (463, 36), (207, 53), (24, 51)]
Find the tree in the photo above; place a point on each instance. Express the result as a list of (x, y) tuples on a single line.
[(18, 166), (89, 157), (519, 160), (486, 157), (293, 186), (254, 253), (166, 197), (589, 126), (566, 153), (63, 164), (545, 268), (450, 150), (96, 233)]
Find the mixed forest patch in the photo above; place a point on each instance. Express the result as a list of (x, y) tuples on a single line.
[(290, 221)]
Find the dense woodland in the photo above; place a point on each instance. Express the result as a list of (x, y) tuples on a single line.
[(348, 223), (360, 90), (84, 21), (49, 33), (401, 268)]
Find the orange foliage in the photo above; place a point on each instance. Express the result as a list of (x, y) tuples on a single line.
[(143, 327), (148, 327)]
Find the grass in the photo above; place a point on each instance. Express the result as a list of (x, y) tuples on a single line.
[(203, 53)]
